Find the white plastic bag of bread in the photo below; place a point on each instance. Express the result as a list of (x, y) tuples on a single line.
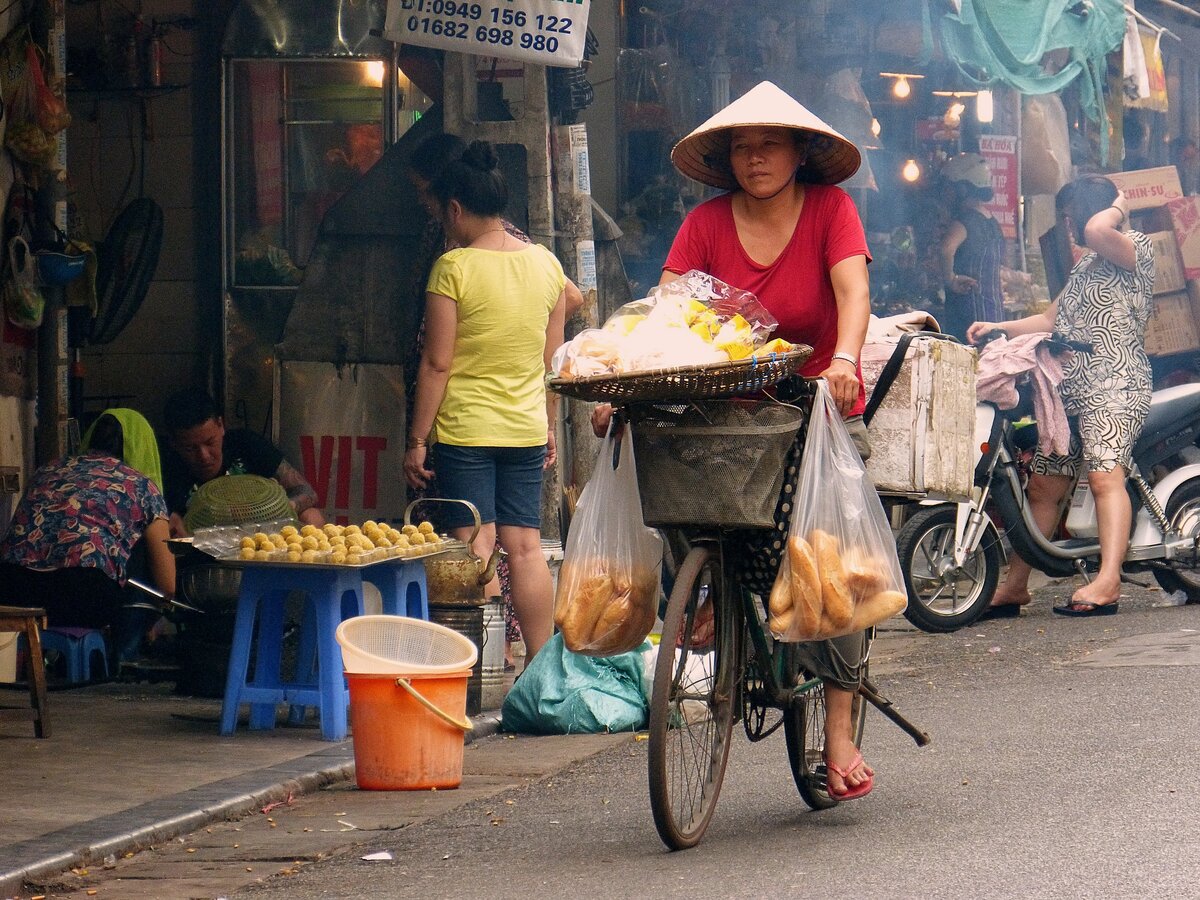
[(694, 320), (840, 573), (608, 585)]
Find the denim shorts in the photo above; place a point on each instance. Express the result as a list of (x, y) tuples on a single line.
[(504, 483)]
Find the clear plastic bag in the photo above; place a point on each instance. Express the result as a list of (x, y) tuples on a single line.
[(840, 573), (694, 320), (608, 585)]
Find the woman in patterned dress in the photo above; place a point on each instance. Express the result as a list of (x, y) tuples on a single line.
[(67, 549), (1106, 303)]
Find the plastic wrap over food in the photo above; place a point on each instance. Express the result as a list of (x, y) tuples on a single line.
[(694, 320)]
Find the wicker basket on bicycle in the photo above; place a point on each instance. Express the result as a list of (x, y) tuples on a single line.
[(686, 383)]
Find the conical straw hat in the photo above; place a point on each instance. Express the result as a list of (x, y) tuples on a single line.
[(704, 154)]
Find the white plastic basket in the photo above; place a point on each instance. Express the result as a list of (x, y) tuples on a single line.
[(398, 645)]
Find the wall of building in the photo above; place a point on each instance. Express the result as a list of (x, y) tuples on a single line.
[(125, 143)]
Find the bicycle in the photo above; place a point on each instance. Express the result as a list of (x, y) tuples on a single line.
[(707, 679)]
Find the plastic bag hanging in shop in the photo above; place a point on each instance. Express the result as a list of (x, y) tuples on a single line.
[(608, 585), (840, 573)]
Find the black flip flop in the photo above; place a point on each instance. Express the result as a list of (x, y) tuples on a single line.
[(1001, 611), (1082, 609)]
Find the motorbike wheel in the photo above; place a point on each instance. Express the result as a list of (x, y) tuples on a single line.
[(1183, 512), (943, 597)]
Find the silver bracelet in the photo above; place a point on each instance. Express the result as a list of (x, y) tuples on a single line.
[(846, 357)]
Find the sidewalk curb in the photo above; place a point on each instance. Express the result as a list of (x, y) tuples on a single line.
[(88, 843)]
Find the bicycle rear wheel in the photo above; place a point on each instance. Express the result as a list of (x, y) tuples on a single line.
[(691, 711), (804, 730)]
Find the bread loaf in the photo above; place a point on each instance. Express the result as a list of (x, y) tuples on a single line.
[(805, 586), (865, 575), (610, 610), (837, 604), (877, 608)]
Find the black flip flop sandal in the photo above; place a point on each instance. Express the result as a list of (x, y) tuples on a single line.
[(1081, 609)]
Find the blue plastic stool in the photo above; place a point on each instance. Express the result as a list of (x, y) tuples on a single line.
[(78, 646), (333, 594), (402, 586), (404, 592)]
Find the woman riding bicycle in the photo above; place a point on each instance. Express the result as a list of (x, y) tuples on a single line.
[(786, 234), (1107, 302)]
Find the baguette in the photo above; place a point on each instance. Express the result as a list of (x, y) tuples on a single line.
[(877, 608), (836, 602), (585, 605), (864, 573), (805, 587)]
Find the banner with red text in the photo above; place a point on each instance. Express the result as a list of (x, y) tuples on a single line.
[(344, 429)]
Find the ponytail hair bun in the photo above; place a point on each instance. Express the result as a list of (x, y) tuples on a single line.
[(481, 155)]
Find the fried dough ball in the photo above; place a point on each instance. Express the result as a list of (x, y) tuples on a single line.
[(294, 556), (289, 530), (332, 530), (337, 557), (248, 542), (308, 556), (409, 529), (425, 528), (309, 542), (247, 552), (261, 555)]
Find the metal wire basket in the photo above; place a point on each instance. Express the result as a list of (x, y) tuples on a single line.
[(708, 382), (713, 463)]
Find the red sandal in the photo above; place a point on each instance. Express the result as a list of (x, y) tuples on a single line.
[(854, 793)]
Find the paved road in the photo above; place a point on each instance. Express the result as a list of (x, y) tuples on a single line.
[(1048, 777), (1061, 767)]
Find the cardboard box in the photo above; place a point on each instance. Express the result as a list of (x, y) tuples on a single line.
[(923, 433), (1168, 269), (1185, 221), (1146, 188), (1172, 326)]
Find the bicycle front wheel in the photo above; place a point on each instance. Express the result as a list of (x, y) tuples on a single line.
[(804, 730), (691, 711)]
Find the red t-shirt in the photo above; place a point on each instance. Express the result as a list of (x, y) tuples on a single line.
[(795, 288)]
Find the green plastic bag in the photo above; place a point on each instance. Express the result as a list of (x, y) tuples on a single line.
[(561, 692)]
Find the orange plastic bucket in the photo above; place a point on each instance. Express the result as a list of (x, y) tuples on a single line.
[(408, 730)]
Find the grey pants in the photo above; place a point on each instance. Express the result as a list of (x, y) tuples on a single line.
[(840, 660)]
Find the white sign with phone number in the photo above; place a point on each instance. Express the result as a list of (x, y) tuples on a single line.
[(546, 32)]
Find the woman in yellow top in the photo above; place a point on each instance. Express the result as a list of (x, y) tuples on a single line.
[(494, 312)]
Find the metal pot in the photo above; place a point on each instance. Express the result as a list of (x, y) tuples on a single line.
[(210, 586), (458, 578)]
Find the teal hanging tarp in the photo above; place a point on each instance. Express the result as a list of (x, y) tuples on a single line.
[(1004, 41)]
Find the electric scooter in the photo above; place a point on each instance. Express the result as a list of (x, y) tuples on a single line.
[(951, 554)]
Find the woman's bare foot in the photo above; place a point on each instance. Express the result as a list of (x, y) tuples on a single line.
[(1010, 597), (842, 753), (1097, 593)]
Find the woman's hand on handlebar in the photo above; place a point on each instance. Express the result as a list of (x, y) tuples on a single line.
[(842, 379), (979, 330), (601, 415)]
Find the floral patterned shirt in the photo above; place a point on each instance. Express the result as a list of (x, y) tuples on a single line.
[(87, 510)]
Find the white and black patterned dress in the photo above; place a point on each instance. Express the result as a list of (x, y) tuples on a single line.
[(1108, 389)]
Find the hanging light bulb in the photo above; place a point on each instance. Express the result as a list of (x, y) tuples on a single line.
[(911, 171), (876, 127), (983, 106), (901, 87)]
